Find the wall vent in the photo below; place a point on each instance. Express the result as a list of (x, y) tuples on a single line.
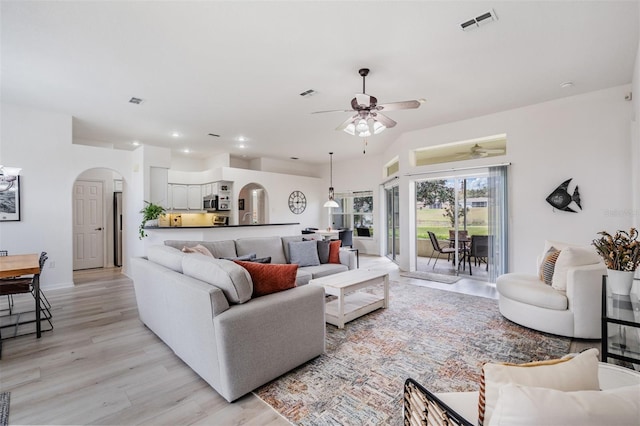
[(479, 20)]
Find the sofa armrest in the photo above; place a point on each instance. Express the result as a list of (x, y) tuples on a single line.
[(266, 337), (584, 294), (347, 257)]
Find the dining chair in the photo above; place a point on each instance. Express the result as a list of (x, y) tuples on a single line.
[(24, 284), (346, 236)]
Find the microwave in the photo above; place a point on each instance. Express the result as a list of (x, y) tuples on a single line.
[(210, 203)]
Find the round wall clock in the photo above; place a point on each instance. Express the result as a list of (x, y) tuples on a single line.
[(297, 202)]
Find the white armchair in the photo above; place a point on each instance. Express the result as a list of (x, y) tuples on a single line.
[(570, 307)]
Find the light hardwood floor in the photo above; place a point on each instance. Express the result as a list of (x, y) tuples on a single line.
[(101, 365)]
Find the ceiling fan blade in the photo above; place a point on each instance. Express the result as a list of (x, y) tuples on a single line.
[(332, 110), (385, 120), (393, 106), (346, 122)]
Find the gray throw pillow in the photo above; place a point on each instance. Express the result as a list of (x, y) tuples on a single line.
[(247, 257), (304, 253), (323, 251)]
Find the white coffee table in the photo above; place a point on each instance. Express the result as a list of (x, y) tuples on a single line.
[(352, 304)]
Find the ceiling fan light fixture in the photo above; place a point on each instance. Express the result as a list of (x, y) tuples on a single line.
[(378, 127), (351, 129), (362, 126)]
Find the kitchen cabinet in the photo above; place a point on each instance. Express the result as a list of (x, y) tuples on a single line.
[(207, 189), (159, 178), (194, 197), (179, 197)]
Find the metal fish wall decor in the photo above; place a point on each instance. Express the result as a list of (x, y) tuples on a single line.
[(560, 198)]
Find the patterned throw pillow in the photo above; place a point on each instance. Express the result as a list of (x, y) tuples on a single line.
[(270, 277), (548, 265), (199, 248)]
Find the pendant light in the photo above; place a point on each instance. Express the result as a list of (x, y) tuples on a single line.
[(331, 202)]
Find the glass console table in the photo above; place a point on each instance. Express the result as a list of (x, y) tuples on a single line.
[(620, 326)]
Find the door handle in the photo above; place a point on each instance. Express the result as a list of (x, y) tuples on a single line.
[(98, 229)]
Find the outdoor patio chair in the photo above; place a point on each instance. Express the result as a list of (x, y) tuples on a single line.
[(480, 250), (436, 248)]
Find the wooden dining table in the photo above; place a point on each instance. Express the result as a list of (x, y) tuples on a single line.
[(24, 264)]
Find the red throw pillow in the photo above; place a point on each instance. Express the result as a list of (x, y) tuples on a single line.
[(334, 251), (270, 277)]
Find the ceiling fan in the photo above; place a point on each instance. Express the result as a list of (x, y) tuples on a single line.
[(368, 119), (476, 151)]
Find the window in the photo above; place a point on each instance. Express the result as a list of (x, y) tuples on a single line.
[(355, 212)]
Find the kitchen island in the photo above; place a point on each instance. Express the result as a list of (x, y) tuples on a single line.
[(158, 234)]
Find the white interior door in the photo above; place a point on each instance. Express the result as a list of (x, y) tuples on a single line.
[(88, 226)]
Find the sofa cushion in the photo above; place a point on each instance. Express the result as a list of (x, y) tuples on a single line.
[(323, 250), (219, 249), (169, 257), (263, 247), (303, 276), (334, 251), (198, 248), (285, 245), (569, 374), (304, 253), (270, 278), (233, 280), (532, 406), (570, 257), (548, 265), (326, 269), (530, 290)]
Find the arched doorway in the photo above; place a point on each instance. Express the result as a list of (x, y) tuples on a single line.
[(97, 219), (253, 203)]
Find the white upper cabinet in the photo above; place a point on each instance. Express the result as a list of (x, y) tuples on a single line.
[(194, 197)]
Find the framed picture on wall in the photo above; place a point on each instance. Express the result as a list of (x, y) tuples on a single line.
[(241, 204), (9, 198)]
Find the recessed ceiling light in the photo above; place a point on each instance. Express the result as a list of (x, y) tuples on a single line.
[(242, 139), (135, 143), (242, 146), (175, 134), (186, 150), (566, 84)]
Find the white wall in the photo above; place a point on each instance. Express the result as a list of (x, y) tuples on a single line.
[(585, 137), (40, 143)]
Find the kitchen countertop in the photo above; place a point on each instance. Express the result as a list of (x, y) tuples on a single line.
[(220, 226)]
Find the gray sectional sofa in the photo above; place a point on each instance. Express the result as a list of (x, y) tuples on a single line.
[(202, 308)]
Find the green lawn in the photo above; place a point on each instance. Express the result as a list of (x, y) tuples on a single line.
[(434, 221)]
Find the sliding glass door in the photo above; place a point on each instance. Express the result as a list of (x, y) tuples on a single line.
[(461, 224), (393, 222)]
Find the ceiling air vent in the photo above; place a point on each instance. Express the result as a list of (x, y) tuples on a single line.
[(136, 101), (214, 135), (308, 93), (479, 20)]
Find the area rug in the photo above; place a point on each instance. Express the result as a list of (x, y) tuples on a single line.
[(4, 408), (430, 276), (439, 338)]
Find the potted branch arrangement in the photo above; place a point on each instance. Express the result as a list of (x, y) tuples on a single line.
[(150, 213), (621, 255)]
